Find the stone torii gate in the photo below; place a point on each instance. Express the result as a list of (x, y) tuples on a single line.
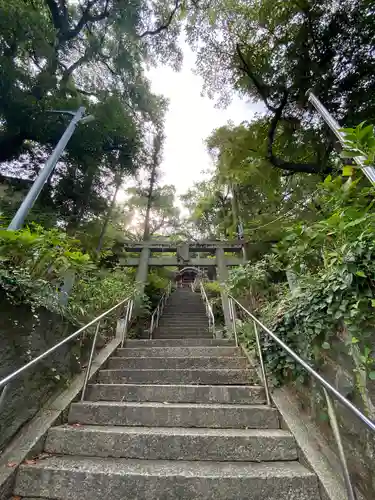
[(182, 258)]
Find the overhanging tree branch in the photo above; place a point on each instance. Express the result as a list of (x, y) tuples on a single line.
[(86, 18), (164, 26), (259, 85), (57, 19), (86, 57), (308, 168)]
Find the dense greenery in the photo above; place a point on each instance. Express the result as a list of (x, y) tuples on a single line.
[(279, 181), (35, 262), (317, 284), (274, 51), (59, 55)]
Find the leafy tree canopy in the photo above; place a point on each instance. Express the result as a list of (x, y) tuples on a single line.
[(62, 54), (164, 214), (274, 51)]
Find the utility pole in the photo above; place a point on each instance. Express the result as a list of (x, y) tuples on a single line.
[(36, 188)]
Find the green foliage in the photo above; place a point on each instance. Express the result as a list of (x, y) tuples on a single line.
[(209, 206), (332, 262), (213, 288), (245, 187), (34, 262), (163, 213), (98, 291), (156, 284), (360, 142), (59, 55), (273, 52), (46, 253)]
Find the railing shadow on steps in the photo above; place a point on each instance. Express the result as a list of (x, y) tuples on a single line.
[(328, 389), (155, 317), (123, 309)]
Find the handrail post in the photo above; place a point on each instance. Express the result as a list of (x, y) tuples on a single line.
[(88, 369), (262, 368), (340, 447), (127, 317), (233, 320), (209, 311), (158, 311), (3, 395), (157, 315)]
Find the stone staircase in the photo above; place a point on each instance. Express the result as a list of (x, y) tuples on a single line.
[(171, 418), (184, 316)]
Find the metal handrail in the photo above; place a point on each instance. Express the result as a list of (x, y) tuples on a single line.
[(369, 171), (232, 316), (209, 311), (328, 390), (5, 382), (155, 318)]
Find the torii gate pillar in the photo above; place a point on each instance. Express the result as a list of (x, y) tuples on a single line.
[(142, 270), (222, 272)]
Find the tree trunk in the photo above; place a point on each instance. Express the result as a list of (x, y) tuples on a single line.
[(108, 216), (11, 146), (155, 163), (146, 232)]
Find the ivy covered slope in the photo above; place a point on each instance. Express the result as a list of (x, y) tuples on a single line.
[(317, 284)]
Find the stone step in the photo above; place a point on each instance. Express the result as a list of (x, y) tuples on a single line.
[(175, 352), (149, 363), (84, 478), (173, 443), (186, 332), (184, 301), (177, 393), (194, 311), (185, 297), (202, 323), (179, 334), (183, 376), (196, 342), (182, 318), (160, 334), (174, 415), (184, 326), (197, 312)]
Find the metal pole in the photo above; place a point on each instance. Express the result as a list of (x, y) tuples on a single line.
[(309, 369), (88, 369), (335, 127), (337, 435), (43, 176), (3, 395), (128, 317), (74, 335), (262, 368), (233, 320)]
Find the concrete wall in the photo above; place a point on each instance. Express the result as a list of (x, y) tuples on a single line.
[(23, 336), (359, 443)]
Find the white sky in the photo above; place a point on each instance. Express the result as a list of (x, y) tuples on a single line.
[(189, 121)]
